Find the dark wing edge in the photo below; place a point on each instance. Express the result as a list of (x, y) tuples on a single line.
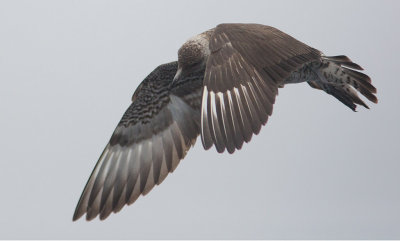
[(138, 157), (246, 65)]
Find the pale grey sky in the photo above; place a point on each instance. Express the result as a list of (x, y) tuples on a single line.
[(316, 170)]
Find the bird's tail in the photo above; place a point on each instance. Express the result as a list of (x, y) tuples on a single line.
[(338, 76)]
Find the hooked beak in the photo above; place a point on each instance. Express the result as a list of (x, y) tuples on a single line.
[(178, 74)]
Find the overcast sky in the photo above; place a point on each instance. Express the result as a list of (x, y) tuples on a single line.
[(316, 170)]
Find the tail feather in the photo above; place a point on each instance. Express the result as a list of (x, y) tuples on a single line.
[(339, 78), (357, 99), (363, 79), (344, 61), (368, 94), (346, 95), (341, 96)]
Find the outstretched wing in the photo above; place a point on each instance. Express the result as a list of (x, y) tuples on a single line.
[(154, 134), (246, 65)]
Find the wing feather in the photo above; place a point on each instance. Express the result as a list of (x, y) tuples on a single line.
[(120, 183), (206, 130), (158, 157), (238, 137), (246, 65), (152, 137), (225, 119)]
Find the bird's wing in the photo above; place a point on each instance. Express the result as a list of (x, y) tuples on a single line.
[(246, 65), (152, 137)]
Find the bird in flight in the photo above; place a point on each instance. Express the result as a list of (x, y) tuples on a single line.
[(223, 88)]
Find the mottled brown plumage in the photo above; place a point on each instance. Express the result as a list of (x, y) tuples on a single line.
[(154, 134), (223, 86)]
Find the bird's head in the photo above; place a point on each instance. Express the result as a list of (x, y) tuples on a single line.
[(192, 57)]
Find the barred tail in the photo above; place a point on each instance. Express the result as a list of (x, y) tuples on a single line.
[(339, 78)]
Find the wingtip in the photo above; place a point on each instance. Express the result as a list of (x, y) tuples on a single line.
[(220, 149), (104, 216), (77, 215), (205, 145), (90, 218)]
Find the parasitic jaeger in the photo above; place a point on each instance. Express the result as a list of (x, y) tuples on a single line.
[(222, 87)]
